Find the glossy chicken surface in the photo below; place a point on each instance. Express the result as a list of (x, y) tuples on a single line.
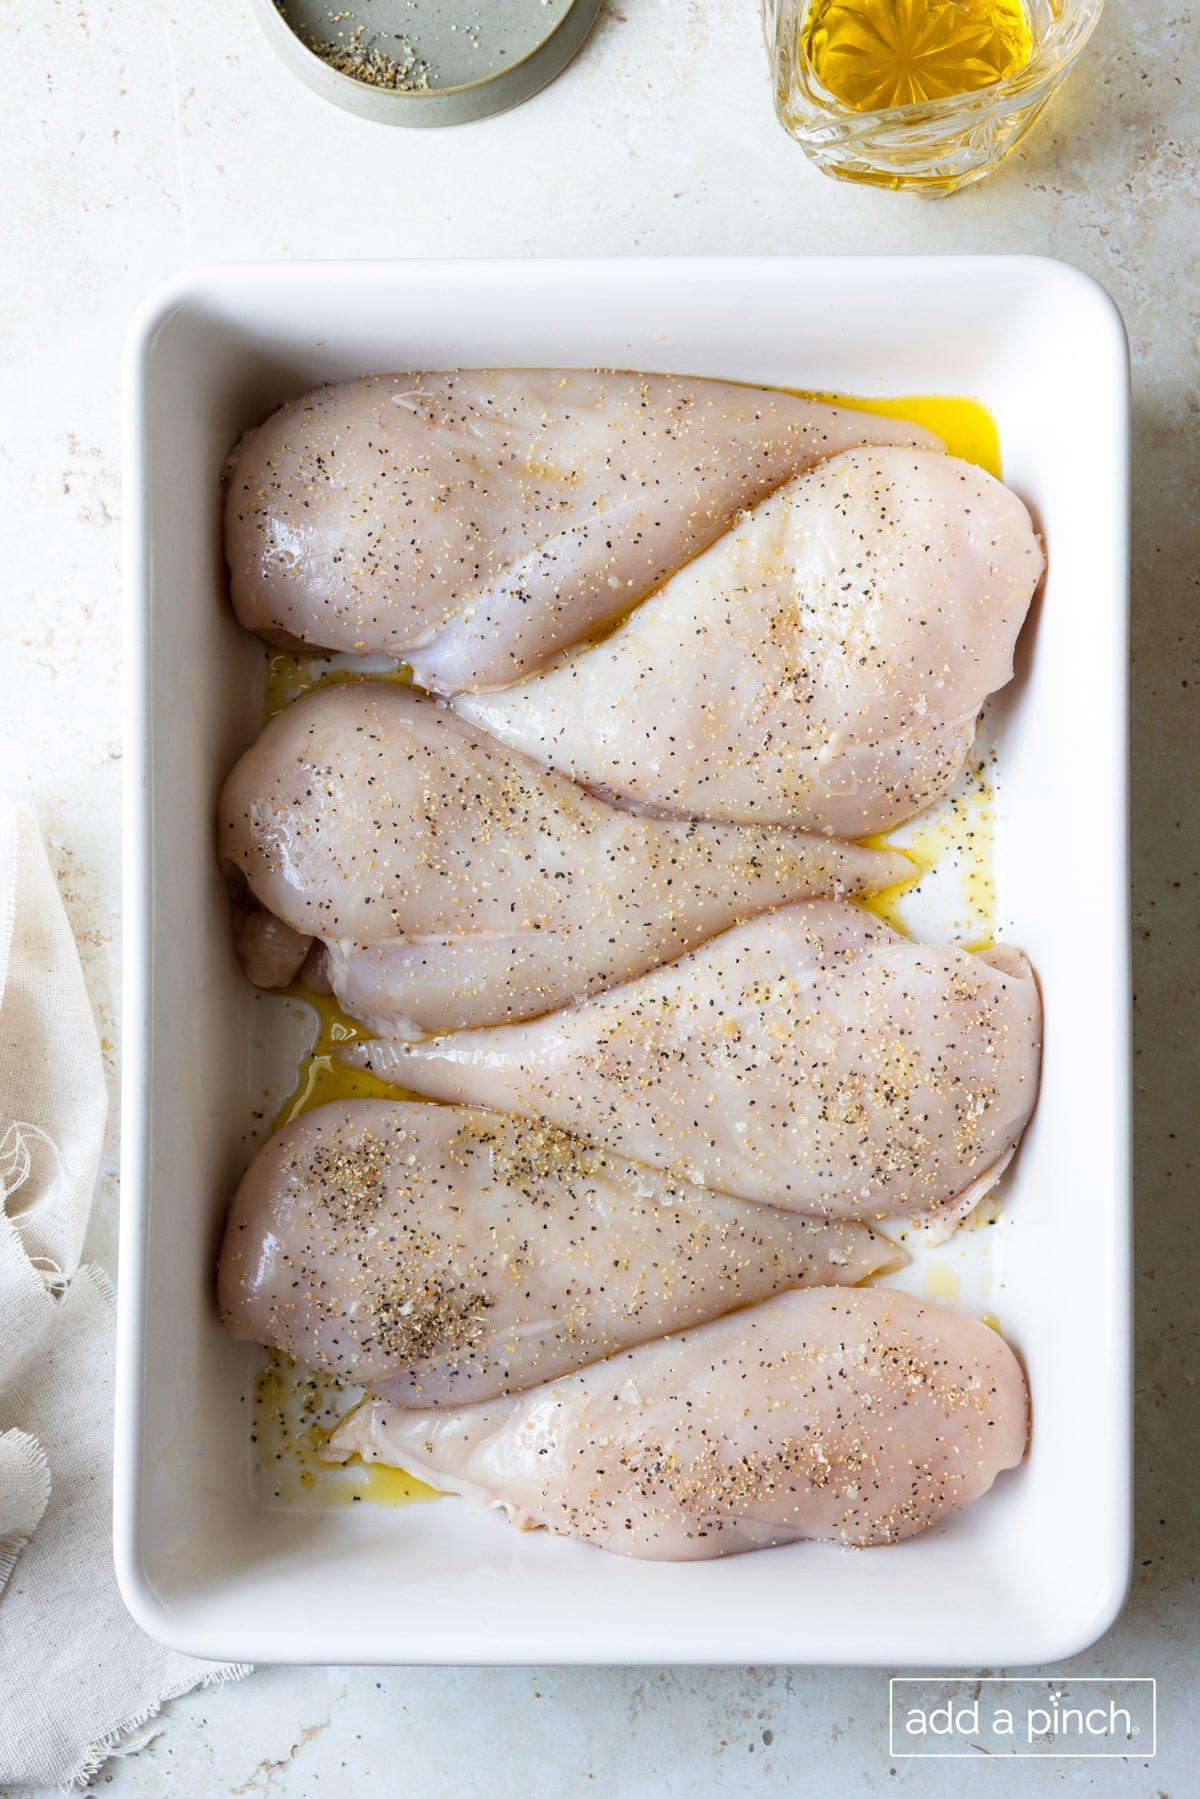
[(437, 1255), (475, 523), (822, 665), (857, 1417), (812, 1058), (454, 883)]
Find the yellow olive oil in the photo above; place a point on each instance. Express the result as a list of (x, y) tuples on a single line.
[(966, 427), (951, 844), (876, 54), (292, 673), (320, 1077), (294, 1413)]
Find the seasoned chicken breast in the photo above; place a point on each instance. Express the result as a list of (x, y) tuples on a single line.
[(453, 883), (475, 523), (436, 1255), (857, 1417), (813, 1058), (822, 665)]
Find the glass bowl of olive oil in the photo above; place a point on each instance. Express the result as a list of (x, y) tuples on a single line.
[(920, 94)]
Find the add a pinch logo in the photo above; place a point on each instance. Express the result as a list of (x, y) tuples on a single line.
[(1086, 1715)]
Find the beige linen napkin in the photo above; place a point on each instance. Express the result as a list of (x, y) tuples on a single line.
[(78, 1679)]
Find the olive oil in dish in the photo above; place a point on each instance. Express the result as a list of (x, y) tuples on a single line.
[(293, 1415), (320, 1078)]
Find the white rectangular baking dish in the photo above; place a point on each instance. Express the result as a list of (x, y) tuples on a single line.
[(1038, 1569)]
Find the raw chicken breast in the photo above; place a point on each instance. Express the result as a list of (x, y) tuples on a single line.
[(456, 884), (474, 523), (437, 1255), (821, 665), (812, 1058), (854, 1417)]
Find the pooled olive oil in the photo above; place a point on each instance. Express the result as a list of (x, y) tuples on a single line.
[(952, 848), (321, 1078), (966, 427), (294, 1414), (296, 1408), (876, 54), (291, 674)]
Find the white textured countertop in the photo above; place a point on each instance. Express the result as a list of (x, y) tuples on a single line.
[(145, 135)]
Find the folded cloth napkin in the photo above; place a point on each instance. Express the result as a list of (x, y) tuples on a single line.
[(78, 1679)]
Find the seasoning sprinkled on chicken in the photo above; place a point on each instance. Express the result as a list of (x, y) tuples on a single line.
[(476, 523), (857, 1417), (822, 665), (435, 1254), (454, 883), (812, 1058)]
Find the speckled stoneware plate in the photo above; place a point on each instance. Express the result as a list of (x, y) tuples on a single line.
[(426, 62), (209, 1563)]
